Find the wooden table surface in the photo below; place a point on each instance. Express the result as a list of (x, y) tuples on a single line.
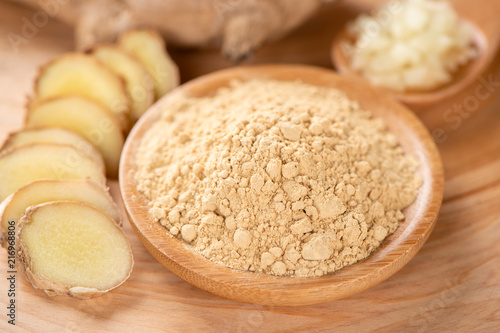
[(453, 283)]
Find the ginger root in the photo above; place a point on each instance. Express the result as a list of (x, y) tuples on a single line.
[(51, 135), (85, 76), (71, 248), (83, 117), (22, 165), (239, 27), (140, 84), (48, 190), (149, 48)]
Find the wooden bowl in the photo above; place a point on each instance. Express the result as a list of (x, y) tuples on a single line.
[(263, 289), (486, 38), (419, 98)]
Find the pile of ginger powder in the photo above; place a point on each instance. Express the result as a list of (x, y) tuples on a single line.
[(282, 178)]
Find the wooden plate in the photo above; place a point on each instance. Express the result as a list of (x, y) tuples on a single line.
[(256, 288)]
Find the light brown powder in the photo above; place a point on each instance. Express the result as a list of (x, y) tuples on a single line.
[(282, 178)]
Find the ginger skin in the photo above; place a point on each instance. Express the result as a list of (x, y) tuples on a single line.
[(238, 27)]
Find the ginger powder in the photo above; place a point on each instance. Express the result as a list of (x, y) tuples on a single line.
[(282, 178)]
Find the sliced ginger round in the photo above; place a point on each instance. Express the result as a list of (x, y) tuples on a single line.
[(48, 190), (52, 135), (148, 46), (83, 75), (140, 84), (22, 165), (85, 118), (70, 248)]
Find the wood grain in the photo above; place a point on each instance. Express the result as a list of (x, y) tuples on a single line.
[(453, 283)]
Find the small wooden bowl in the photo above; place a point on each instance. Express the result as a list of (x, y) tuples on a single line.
[(486, 37), (421, 98), (263, 289)]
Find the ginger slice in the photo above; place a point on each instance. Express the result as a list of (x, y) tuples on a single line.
[(72, 248), (140, 84), (22, 165), (86, 118), (52, 135), (83, 75), (148, 46), (48, 190)]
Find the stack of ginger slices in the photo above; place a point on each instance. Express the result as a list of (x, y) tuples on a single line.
[(57, 217)]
